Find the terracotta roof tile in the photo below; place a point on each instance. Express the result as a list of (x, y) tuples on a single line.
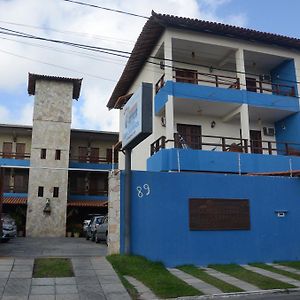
[(14, 200), (88, 203)]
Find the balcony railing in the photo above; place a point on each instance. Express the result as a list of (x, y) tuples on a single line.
[(15, 189), (224, 81), (91, 159), (88, 192), (14, 155), (226, 144)]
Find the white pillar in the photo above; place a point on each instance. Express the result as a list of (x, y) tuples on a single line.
[(240, 67), (245, 124), (170, 121), (168, 57)]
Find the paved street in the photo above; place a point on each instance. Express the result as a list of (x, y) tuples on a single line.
[(94, 277)]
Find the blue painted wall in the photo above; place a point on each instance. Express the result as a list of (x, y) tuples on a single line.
[(217, 161), (87, 197), (94, 166), (285, 74), (14, 162), (21, 195), (160, 221), (288, 130), (200, 92)]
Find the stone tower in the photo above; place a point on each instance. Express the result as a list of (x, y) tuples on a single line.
[(49, 160)]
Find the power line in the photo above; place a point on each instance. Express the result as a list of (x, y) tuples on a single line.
[(106, 8), (57, 66), (119, 53)]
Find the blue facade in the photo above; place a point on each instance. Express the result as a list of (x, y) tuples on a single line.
[(215, 161), (95, 166), (217, 94), (14, 162), (88, 197), (160, 221)]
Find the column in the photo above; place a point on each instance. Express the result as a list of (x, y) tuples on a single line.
[(168, 57), (240, 67), (245, 124), (170, 121)]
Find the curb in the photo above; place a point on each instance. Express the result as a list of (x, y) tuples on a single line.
[(239, 294)]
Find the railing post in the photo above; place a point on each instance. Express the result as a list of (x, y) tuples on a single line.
[(223, 144), (287, 148), (260, 87), (293, 93), (163, 142), (246, 145), (238, 84), (217, 80), (270, 148)]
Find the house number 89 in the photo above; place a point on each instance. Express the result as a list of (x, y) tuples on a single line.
[(143, 190)]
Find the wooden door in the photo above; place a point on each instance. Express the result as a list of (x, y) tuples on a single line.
[(83, 152), (20, 183), (184, 75), (256, 141), (189, 136), (251, 84), (7, 149), (20, 151), (94, 157), (109, 155)]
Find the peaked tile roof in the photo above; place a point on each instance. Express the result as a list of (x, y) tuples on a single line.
[(157, 23)]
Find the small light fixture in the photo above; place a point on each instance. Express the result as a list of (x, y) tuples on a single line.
[(193, 54), (162, 65), (47, 208), (283, 126), (211, 69), (213, 124), (281, 213)]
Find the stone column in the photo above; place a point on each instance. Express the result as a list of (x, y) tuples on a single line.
[(240, 67), (113, 240)]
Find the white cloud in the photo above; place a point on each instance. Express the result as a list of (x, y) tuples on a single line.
[(102, 29)]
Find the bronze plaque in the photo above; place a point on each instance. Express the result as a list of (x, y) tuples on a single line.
[(219, 214)]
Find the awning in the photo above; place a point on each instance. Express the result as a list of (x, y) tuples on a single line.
[(14, 200), (87, 203)]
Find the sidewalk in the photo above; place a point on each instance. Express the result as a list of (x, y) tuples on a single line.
[(94, 280)]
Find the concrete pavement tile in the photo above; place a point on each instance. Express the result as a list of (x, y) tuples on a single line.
[(5, 267), (108, 279), (41, 297), (18, 274), (105, 272), (67, 297), (43, 281), (112, 288), (84, 272), (4, 274), (17, 287), (24, 261), (42, 290), (90, 287), (3, 282), (118, 296), (83, 280), (65, 280), (6, 261), (66, 289), (14, 298), (22, 268)]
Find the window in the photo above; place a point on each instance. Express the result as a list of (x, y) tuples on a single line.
[(20, 151), (43, 153), (7, 150), (55, 192), (40, 191), (57, 154)]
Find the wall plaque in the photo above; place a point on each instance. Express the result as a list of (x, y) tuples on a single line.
[(219, 214)]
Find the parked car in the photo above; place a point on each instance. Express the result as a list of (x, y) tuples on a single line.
[(87, 222), (9, 228), (102, 231), (91, 229)]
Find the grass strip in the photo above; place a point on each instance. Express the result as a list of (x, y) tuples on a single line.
[(153, 274), (292, 264), (262, 282), (275, 270), (201, 274), (52, 267)]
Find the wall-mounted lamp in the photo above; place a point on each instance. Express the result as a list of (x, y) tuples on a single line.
[(213, 124), (193, 54), (162, 65), (47, 208), (283, 126), (211, 69)]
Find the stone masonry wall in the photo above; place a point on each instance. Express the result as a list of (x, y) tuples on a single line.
[(114, 213), (50, 131)]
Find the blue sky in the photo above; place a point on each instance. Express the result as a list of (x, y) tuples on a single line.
[(96, 27)]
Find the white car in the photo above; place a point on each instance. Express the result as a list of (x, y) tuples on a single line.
[(102, 230), (9, 228)]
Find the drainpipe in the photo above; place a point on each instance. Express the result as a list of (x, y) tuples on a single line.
[(127, 206)]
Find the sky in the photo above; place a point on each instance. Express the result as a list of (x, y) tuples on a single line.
[(61, 20)]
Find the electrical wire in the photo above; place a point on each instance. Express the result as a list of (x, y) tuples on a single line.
[(106, 8)]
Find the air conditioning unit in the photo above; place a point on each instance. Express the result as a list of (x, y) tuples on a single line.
[(269, 131)]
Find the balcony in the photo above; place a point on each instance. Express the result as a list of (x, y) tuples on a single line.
[(190, 85), (92, 162), (206, 153), (15, 159)]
